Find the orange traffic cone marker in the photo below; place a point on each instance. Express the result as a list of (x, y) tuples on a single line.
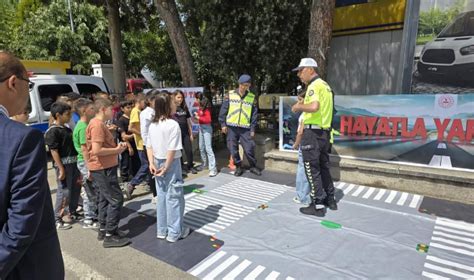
[(231, 164)]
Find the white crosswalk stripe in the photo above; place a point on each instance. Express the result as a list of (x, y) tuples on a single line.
[(251, 190), (393, 197), (209, 215), (224, 266), (451, 243)]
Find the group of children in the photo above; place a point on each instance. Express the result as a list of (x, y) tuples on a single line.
[(146, 136)]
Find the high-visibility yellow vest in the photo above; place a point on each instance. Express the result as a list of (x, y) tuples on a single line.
[(240, 109), (319, 91)]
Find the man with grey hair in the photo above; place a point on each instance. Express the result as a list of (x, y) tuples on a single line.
[(29, 245)]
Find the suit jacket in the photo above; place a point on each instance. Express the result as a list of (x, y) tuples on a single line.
[(29, 245)]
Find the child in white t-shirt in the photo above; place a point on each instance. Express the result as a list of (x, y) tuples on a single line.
[(164, 153)]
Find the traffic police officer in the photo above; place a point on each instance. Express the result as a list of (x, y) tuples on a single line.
[(238, 119), (318, 112)]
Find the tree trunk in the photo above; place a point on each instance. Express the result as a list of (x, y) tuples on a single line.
[(115, 38), (320, 32), (169, 14)]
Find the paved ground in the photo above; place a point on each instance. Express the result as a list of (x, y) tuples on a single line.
[(248, 228)]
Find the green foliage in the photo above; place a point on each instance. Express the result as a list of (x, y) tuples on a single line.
[(7, 17), (263, 38), (46, 37), (433, 21), (146, 42)]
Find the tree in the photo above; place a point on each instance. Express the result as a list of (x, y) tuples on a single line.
[(320, 32), (263, 38), (169, 14), (115, 38), (54, 40), (7, 17)]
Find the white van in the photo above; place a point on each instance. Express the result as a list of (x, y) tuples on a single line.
[(48, 87), (451, 54)]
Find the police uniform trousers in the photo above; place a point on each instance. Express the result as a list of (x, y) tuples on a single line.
[(234, 134), (314, 148)]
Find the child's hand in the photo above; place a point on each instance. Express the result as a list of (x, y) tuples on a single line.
[(62, 173), (160, 172), (153, 169)]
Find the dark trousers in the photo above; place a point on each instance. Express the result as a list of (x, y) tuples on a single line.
[(68, 192), (144, 172), (188, 149), (129, 165), (314, 148), (110, 198), (236, 134)]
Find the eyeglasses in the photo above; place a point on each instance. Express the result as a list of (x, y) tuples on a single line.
[(30, 83)]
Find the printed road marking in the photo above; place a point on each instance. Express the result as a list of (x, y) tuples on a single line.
[(273, 275), (415, 200), (435, 160), (450, 263), (358, 191), (236, 271), (391, 196), (433, 276), (255, 273), (349, 188), (446, 161), (218, 270), (402, 199), (460, 251), (379, 194), (448, 271), (368, 193), (454, 236), (442, 146), (208, 263), (455, 243)]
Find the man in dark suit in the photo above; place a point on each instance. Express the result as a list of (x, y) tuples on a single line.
[(29, 245)]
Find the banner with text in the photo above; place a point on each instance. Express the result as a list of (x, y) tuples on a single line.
[(431, 129)]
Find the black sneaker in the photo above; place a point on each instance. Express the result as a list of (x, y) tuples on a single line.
[(193, 170), (199, 168), (115, 241), (238, 171), (311, 210), (331, 203), (101, 235), (256, 171)]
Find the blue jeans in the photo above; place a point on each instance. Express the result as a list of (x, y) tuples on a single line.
[(170, 204), (302, 185), (205, 146), (143, 173), (92, 193)]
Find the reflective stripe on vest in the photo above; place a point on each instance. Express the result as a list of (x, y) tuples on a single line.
[(240, 110)]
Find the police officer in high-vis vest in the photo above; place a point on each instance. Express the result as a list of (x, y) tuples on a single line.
[(318, 112), (238, 119)]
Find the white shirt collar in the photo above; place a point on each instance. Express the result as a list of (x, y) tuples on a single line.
[(4, 111)]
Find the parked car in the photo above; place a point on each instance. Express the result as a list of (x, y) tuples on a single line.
[(451, 55), (48, 87)]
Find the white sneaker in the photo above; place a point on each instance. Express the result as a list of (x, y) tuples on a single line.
[(296, 200), (213, 173), (184, 234), (161, 236)]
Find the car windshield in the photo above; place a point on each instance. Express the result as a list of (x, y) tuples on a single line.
[(463, 25)]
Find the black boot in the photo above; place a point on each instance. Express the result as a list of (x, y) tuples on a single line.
[(238, 171), (330, 202), (311, 210)]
